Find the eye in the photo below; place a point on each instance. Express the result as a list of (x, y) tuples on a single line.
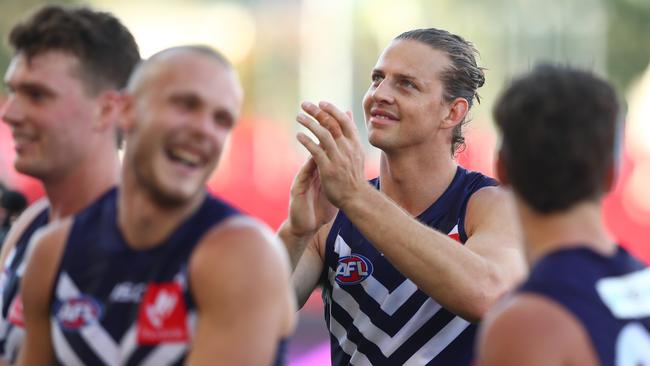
[(35, 95), (185, 102), (376, 78), (407, 84), (224, 119)]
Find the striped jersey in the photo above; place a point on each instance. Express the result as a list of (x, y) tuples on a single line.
[(12, 331), (114, 305), (375, 315), (608, 295)]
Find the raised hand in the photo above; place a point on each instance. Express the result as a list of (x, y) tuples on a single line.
[(339, 155), (309, 209)]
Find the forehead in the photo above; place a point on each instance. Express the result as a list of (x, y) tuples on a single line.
[(200, 75), (413, 58), (54, 68)]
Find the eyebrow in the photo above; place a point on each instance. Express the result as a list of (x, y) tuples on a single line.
[(28, 86), (184, 95), (399, 75), (410, 77)]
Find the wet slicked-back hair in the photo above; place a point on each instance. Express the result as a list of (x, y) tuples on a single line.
[(105, 48), (559, 128), (462, 79)]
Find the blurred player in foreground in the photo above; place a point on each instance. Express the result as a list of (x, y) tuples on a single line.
[(586, 301), (63, 81), (158, 271)]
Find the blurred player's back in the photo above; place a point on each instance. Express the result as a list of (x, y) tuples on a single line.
[(609, 295), (586, 300)]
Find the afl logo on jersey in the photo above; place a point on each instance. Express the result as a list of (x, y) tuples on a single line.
[(76, 313), (353, 269)]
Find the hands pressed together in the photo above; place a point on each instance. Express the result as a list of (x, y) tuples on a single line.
[(333, 174)]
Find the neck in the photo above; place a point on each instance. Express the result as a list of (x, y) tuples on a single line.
[(416, 181), (144, 222), (579, 226), (83, 185)]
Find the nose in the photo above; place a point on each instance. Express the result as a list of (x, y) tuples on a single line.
[(11, 112), (382, 93), (205, 126)]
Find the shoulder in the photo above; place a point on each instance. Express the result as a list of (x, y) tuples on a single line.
[(46, 248), (38, 286), (490, 205), (242, 235), (472, 181), (488, 196), (49, 241), (240, 268), (21, 224), (531, 330), (240, 245)]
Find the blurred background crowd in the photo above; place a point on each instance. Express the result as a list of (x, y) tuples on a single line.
[(287, 51)]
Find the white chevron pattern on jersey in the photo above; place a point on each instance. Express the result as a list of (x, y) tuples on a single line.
[(104, 346), (62, 348), (439, 342), (389, 302), (13, 335)]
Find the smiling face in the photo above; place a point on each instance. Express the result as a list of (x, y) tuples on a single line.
[(177, 123), (50, 113), (404, 104)]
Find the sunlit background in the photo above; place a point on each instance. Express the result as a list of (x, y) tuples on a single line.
[(288, 51)]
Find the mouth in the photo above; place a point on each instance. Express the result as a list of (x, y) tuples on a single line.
[(381, 115), (21, 141), (185, 156)]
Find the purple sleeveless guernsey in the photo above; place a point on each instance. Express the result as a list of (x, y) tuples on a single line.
[(118, 306), (609, 296), (375, 315)]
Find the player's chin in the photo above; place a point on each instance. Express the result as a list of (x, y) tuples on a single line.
[(31, 167), (177, 196), (377, 140)]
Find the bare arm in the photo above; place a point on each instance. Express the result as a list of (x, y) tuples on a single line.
[(239, 276), (533, 331), (16, 231), (309, 210), (36, 290), (464, 279), (304, 231), (19, 226), (310, 266)]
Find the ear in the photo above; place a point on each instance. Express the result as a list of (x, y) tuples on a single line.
[(458, 109), (109, 109), (127, 112), (502, 172)]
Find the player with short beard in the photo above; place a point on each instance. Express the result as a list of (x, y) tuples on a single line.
[(216, 281)]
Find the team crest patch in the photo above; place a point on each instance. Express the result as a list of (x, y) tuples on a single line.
[(454, 234), (76, 313), (353, 269), (16, 312), (163, 315)]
